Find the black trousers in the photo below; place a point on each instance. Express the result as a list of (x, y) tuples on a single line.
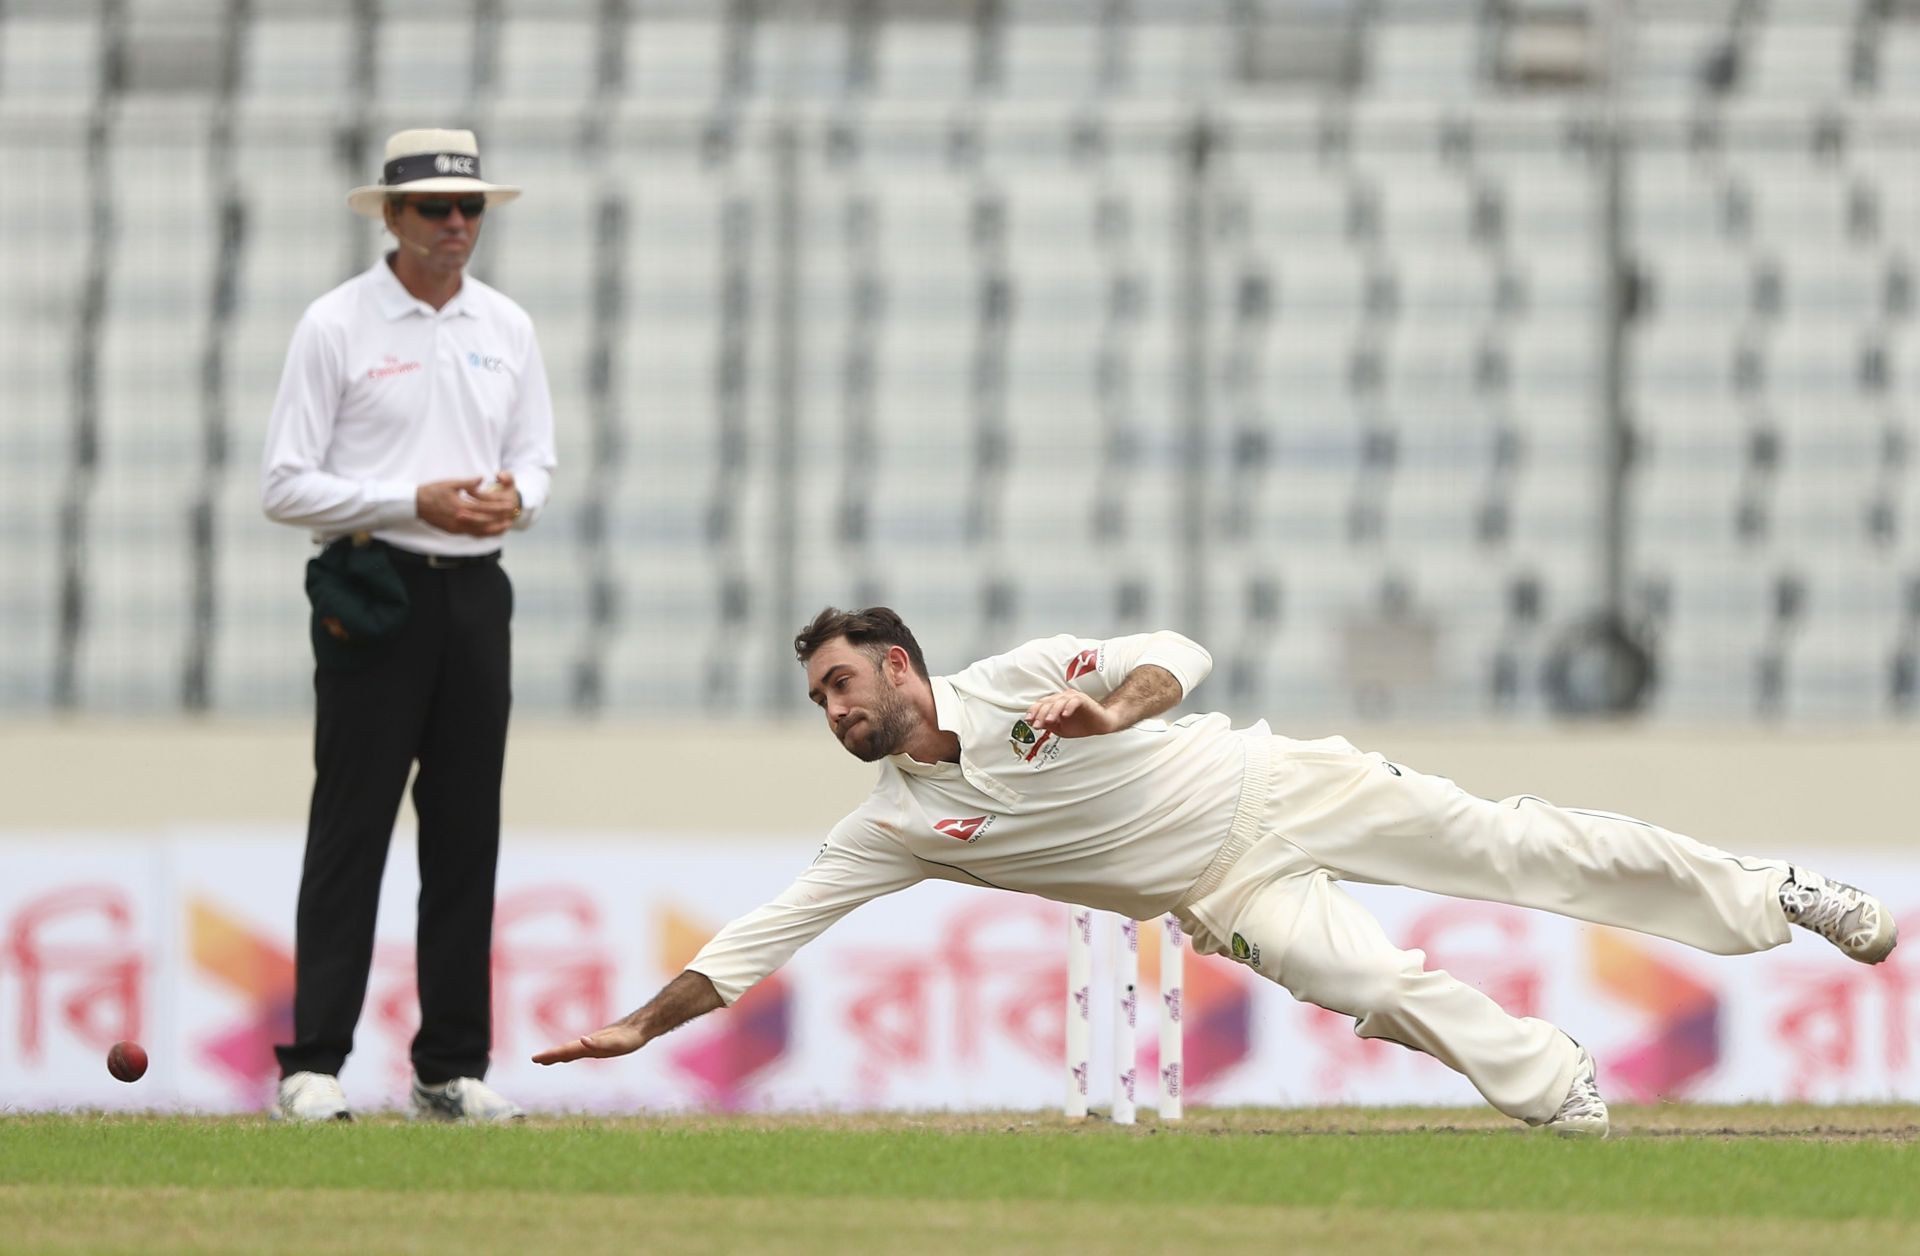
[(438, 694)]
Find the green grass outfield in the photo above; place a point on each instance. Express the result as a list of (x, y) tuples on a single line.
[(1673, 1179)]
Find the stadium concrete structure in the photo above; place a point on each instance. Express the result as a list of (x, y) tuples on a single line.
[(1427, 361)]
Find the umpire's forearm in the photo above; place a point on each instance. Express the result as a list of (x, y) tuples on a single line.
[(687, 996)]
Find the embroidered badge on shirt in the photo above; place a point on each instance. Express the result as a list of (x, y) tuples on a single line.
[(1033, 748), (1245, 952)]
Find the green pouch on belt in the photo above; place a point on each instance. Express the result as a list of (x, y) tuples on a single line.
[(358, 601)]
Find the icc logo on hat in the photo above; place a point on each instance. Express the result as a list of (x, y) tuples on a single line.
[(429, 161)]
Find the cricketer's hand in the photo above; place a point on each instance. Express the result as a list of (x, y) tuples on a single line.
[(689, 995), (1071, 713), (619, 1038)]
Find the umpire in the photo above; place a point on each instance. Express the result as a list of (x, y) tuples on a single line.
[(412, 430)]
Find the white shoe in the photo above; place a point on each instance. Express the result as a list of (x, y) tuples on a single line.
[(1583, 1113), (1853, 920), (311, 1097), (462, 1099)]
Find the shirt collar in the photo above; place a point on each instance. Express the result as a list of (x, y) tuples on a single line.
[(946, 715), (396, 302), (946, 704), (462, 303)]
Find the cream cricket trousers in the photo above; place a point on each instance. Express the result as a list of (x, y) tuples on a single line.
[(1337, 814)]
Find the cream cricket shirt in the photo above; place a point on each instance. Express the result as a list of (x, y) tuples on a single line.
[(382, 393), (1139, 821)]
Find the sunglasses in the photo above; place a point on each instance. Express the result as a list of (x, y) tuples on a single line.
[(439, 208)]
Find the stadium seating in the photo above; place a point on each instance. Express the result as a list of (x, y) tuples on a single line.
[(1093, 315)]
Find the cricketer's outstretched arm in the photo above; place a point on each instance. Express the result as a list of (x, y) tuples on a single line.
[(685, 997), (858, 863)]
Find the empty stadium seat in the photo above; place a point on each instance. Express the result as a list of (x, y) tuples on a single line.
[(423, 67), (549, 57), (52, 59), (302, 55)]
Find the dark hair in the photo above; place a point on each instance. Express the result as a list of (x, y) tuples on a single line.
[(873, 630)]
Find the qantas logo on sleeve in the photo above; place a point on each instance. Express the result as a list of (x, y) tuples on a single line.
[(964, 830), (1083, 662)]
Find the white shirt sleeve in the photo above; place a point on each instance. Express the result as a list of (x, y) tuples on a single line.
[(1094, 667), (293, 486), (858, 864), (528, 449), (1097, 668), (1185, 658)]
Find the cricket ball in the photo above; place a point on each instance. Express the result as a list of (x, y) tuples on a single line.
[(127, 1061)]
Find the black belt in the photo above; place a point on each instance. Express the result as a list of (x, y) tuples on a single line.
[(441, 560)]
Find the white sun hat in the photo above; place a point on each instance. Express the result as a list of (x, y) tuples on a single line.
[(429, 161)]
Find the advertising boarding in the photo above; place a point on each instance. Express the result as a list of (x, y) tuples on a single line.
[(940, 997)]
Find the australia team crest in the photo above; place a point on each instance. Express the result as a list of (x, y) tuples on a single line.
[(1032, 747)]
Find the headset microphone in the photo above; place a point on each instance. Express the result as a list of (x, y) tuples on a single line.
[(393, 228)]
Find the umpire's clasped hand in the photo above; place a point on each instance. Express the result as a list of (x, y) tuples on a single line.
[(464, 507)]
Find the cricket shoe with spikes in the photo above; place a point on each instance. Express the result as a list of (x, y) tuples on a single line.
[(461, 1099), (1583, 1113), (1853, 920)]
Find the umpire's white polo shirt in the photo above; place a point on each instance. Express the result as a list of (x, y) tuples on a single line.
[(383, 393), (1140, 821)]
